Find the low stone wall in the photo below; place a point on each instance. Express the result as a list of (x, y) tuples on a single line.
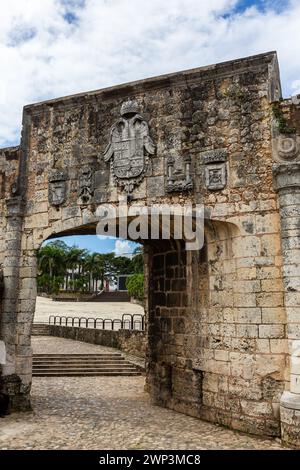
[(130, 341), (73, 297)]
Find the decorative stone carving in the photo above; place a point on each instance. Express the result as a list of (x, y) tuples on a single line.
[(214, 156), (130, 147), (215, 176), (57, 187), (215, 169), (286, 176), (86, 186), (286, 148), (179, 179)]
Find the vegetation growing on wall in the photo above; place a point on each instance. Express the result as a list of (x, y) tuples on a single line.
[(283, 126)]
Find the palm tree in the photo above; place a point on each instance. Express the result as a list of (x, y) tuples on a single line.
[(51, 261), (74, 261), (99, 269), (89, 267)]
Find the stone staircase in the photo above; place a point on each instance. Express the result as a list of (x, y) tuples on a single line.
[(40, 329), (113, 296), (82, 365)]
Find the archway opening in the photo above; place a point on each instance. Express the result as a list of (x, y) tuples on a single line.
[(85, 276), (91, 289)]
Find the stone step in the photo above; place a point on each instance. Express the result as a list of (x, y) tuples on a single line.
[(78, 357), (39, 333), (114, 296), (75, 356), (85, 374), (84, 369), (82, 360), (40, 329), (87, 367), (79, 364), (82, 365)]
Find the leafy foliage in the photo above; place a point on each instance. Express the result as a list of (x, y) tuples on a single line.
[(61, 267), (283, 126), (135, 286)]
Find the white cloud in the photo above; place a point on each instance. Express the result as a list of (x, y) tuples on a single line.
[(45, 55), (123, 248), (296, 87)]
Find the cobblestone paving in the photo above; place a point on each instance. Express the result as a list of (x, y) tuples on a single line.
[(108, 413), (46, 307), (52, 345), (111, 413)]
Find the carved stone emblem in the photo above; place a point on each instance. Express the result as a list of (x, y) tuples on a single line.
[(214, 156), (57, 187), (286, 148), (215, 169), (179, 179), (130, 147), (215, 176), (86, 186)]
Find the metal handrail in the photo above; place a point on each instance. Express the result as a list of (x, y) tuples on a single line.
[(128, 322)]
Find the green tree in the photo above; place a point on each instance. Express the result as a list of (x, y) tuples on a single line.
[(137, 261), (74, 263), (51, 262), (135, 286), (95, 267)]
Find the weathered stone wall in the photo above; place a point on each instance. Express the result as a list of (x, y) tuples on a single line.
[(9, 161), (286, 171), (216, 331), (130, 341), (216, 317)]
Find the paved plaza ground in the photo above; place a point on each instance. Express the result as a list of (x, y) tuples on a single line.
[(108, 413), (46, 307)]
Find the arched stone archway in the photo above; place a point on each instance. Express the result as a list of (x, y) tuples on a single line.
[(217, 339)]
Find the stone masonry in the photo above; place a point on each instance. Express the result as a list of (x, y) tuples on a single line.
[(223, 322)]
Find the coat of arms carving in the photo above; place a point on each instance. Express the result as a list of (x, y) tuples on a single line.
[(57, 187), (86, 187), (130, 147)]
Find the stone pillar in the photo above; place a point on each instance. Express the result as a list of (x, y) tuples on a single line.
[(287, 185), (11, 381)]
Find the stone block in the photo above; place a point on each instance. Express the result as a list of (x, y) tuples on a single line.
[(256, 408), (279, 346), (272, 285), (244, 300), (274, 299), (247, 331), (248, 286), (267, 223), (155, 186), (273, 315), (271, 331)]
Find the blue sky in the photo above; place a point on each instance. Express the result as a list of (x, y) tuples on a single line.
[(262, 5), (53, 48), (97, 244)]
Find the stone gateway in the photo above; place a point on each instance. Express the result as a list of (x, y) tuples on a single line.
[(223, 322)]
